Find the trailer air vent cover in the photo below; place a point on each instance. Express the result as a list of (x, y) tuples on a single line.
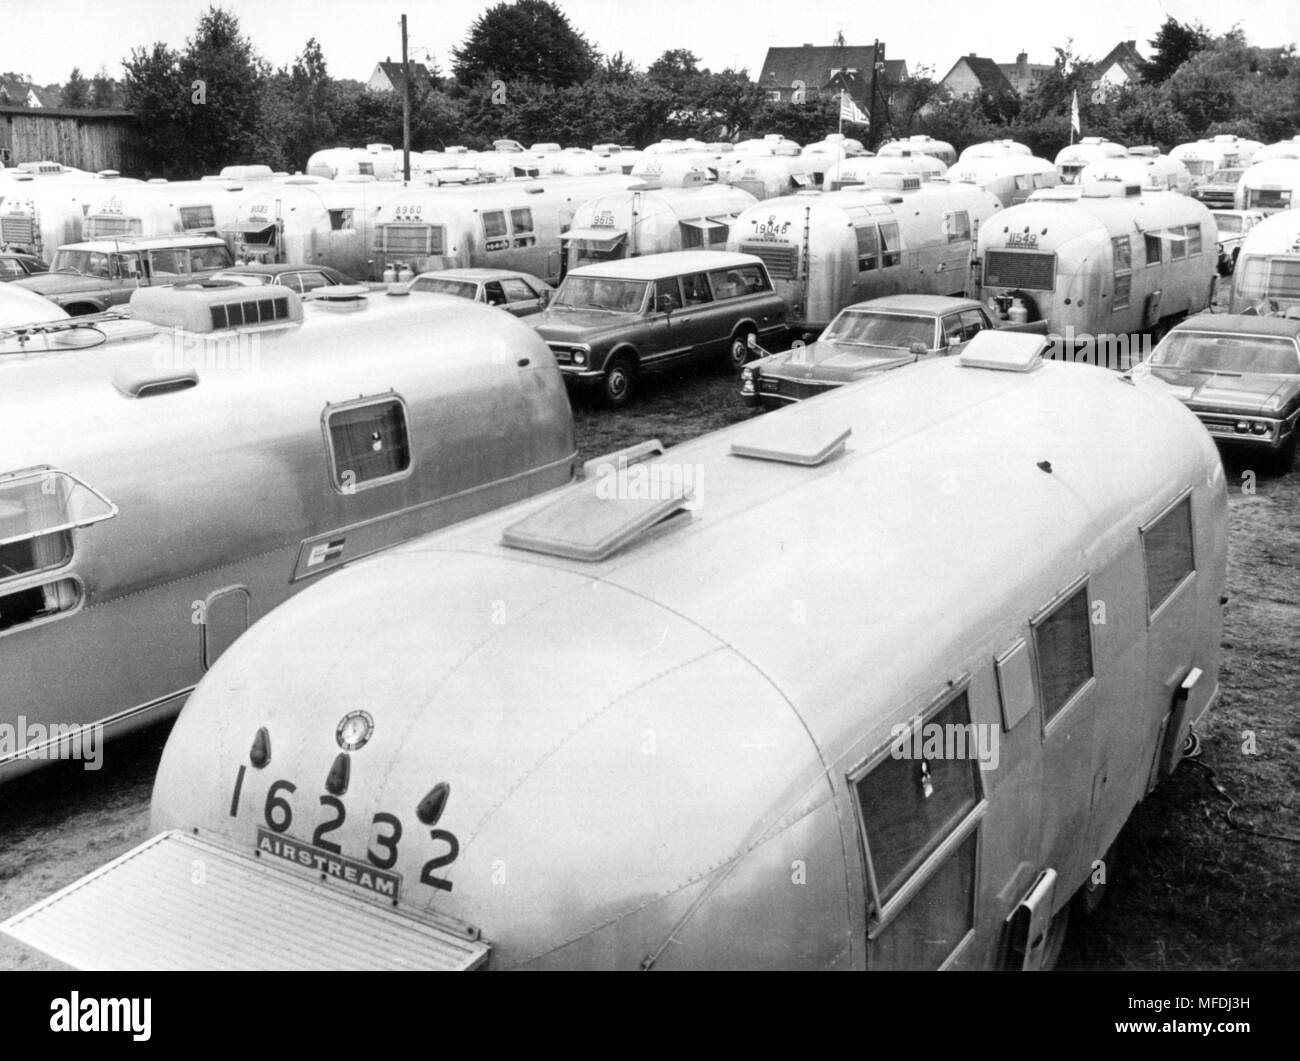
[(1016, 352), (792, 440)]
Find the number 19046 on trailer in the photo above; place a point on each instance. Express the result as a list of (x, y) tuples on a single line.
[(798, 722)]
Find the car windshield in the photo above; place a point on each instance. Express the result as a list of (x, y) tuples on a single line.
[(873, 328), (1226, 176), (88, 262), (247, 279), (1229, 223), (1196, 352), (440, 286), (594, 292)]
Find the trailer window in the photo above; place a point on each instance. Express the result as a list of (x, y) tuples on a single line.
[(1177, 244), (521, 221), (933, 924), (1167, 547), (890, 246), (1193, 240), (1269, 277), (1122, 252), (39, 602), (915, 796), (340, 220), (494, 224), (1063, 643), (957, 226), (197, 217), (1152, 248), (369, 443), (868, 247)]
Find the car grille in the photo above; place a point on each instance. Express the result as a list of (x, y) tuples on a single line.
[(1216, 198), (1032, 270), (793, 389)]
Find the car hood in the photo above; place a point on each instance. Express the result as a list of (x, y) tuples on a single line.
[(1210, 390), (834, 362), (579, 325), (62, 283)]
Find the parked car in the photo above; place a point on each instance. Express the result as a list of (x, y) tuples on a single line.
[(611, 321), (1233, 227), (1240, 374), (307, 280), (866, 338), (90, 277), (519, 293), (14, 266), (1221, 188)]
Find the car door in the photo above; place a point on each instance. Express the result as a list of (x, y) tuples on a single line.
[(664, 337), (126, 272), (520, 298), (703, 319)]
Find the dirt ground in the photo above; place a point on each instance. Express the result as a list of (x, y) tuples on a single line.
[(1190, 891)]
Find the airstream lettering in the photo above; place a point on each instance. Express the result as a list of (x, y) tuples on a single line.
[(825, 250), (776, 744), (1114, 260), (203, 487)]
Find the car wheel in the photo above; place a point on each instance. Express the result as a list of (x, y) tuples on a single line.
[(620, 381), (738, 352)]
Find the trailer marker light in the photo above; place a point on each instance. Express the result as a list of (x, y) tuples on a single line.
[(260, 753), (432, 806)]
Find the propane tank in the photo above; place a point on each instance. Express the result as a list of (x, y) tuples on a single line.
[(404, 273), (390, 275), (1019, 312)]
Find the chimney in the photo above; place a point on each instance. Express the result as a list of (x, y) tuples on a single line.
[(1022, 65)]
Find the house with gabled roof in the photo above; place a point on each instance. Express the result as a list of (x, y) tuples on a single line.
[(821, 71), (973, 75), (1024, 75), (387, 77), (1122, 65)]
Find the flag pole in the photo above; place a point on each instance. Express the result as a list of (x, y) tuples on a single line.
[(840, 128)]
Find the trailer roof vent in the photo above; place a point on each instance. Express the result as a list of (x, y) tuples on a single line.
[(1113, 188), (209, 306), (1001, 351), (793, 440)]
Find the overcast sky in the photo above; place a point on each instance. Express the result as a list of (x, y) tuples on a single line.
[(46, 38)]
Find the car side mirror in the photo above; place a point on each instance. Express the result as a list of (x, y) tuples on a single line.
[(919, 349), (665, 303)]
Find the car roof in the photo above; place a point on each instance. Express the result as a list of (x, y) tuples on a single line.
[(1241, 324), (144, 243), (477, 274), (674, 263), (277, 268), (928, 304)]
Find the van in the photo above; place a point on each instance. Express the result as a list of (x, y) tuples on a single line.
[(1270, 186), (611, 322)]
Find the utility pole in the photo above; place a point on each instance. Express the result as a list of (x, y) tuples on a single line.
[(406, 109), (877, 67)]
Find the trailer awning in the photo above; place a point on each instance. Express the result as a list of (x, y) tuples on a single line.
[(601, 239), (146, 910), (249, 226), (705, 224)]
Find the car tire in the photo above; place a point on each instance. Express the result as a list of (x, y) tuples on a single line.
[(738, 352), (619, 382)]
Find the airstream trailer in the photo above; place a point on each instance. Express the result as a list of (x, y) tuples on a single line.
[(161, 208), (1114, 261), (848, 172), (1158, 173), (506, 225), (606, 741), (1012, 177), (1071, 160), (650, 219), (1267, 276), (227, 453), (312, 224), (993, 149), (825, 250), (20, 306), (919, 145), (769, 176), (376, 160), (1270, 186), (1207, 156), (38, 217), (1282, 149)]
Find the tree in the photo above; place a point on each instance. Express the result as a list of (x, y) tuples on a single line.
[(103, 90), (156, 94), (76, 93), (225, 79), (675, 71), (528, 40), (1174, 43)]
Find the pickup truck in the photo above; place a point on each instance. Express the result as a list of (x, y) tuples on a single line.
[(867, 338)]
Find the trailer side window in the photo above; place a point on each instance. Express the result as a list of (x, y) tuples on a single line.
[(1121, 251), (340, 220), (929, 929), (1177, 244), (368, 442), (494, 224), (1193, 240), (1167, 548), (957, 226), (890, 246), (914, 797), (1152, 248), (200, 217), (521, 221), (1063, 643), (38, 602), (868, 247)]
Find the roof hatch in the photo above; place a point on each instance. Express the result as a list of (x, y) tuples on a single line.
[(794, 440), (1017, 352)]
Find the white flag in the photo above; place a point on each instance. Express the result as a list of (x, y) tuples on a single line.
[(850, 111), (1074, 111)]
